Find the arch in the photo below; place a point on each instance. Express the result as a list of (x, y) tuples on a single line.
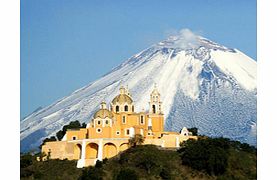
[(123, 147), (126, 108), (77, 151), (92, 151), (117, 108), (154, 108), (109, 150)]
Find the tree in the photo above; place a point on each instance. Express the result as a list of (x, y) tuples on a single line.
[(165, 173), (25, 160), (207, 154), (92, 173), (127, 174), (84, 125), (193, 130), (247, 148), (60, 134), (148, 162), (99, 164), (138, 139)]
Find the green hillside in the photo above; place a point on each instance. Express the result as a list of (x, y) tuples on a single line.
[(206, 158)]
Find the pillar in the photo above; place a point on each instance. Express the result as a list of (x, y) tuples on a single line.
[(100, 150), (81, 162), (163, 142), (177, 142), (132, 132)]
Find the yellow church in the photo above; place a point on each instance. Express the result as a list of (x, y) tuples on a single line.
[(110, 129)]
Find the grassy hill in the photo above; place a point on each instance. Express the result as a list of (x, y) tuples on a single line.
[(206, 158)]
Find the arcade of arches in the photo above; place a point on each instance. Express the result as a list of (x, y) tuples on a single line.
[(98, 151)]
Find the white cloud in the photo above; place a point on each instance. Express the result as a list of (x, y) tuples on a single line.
[(187, 38), (184, 38)]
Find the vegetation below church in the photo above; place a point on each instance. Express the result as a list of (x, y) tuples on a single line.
[(206, 158)]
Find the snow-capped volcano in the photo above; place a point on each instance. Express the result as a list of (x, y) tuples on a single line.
[(202, 84)]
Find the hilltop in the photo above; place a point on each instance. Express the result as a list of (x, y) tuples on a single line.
[(205, 159)]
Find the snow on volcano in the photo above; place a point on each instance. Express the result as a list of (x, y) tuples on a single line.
[(202, 84)]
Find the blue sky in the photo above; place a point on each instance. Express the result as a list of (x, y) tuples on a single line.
[(67, 44)]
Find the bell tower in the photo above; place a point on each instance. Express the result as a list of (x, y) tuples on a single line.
[(155, 104), (156, 116)]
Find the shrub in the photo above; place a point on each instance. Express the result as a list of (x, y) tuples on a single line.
[(92, 173), (25, 160), (105, 160), (99, 164), (193, 130), (148, 159), (208, 154), (60, 134), (38, 175), (138, 139), (84, 125), (165, 174), (25, 172), (127, 174), (247, 148)]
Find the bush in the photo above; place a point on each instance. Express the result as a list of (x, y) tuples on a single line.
[(92, 173), (25, 160), (60, 134), (99, 164), (125, 174), (72, 125), (247, 148), (84, 125), (165, 174), (138, 139), (193, 130), (148, 159), (148, 163), (105, 160), (26, 172), (208, 154), (38, 175)]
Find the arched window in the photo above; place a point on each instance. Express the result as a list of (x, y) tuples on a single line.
[(154, 109), (123, 120), (125, 108), (133, 108), (117, 109), (141, 120)]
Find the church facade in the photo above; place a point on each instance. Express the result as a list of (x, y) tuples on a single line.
[(110, 129)]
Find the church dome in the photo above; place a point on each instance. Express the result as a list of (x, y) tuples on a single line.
[(121, 99), (103, 113)]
